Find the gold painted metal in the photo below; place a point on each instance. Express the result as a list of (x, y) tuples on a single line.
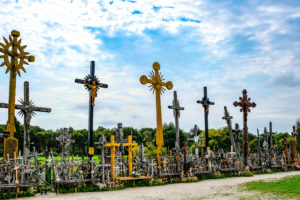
[(157, 85), (130, 145), (112, 146), (18, 57), (91, 150)]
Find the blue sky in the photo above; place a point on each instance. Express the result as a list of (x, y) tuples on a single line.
[(224, 45)]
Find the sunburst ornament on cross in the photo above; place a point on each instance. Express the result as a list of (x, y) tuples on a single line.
[(18, 58), (158, 86)]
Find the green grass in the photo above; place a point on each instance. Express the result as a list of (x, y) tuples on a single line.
[(288, 187)]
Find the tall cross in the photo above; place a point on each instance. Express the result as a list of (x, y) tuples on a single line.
[(130, 145), (27, 110), (271, 138), (245, 105), (92, 84), (228, 118), (112, 146), (206, 103), (157, 85), (18, 57), (294, 133), (176, 112)]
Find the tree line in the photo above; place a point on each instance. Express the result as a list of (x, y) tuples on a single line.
[(44, 140)]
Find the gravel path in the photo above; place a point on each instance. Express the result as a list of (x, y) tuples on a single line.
[(225, 189)]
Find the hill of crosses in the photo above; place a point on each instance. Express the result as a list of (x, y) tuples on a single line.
[(121, 157)]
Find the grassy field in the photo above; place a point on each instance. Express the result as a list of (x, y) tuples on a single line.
[(288, 187)]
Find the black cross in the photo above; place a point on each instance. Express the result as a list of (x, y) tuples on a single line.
[(89, 80), (206, 103)]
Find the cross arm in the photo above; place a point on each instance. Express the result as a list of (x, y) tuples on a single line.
[(144, 80), (79, 81), (102, 85), (5, 105), (177, 108), (41, 109)]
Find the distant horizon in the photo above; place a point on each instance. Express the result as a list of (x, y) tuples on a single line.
[(226, 46)]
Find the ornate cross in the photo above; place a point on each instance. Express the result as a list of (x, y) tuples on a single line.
[(101, 144), (157, 85), (176, 112), (18, 57), (65, 140), (245, 105), (92, 84), (130, 145), (206, 103), (228, 118), (112, 146), (27, 110)]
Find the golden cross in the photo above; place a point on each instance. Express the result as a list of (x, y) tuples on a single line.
[(130, 145), (156, 84), (15, 51), (112, 146)]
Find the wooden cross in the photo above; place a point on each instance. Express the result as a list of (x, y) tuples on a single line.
[(157, 85), (27, 110), (176, 112), (228, 118), (101, 144), (112, 146), (202, 145), (206, 103), (294, 133), (245, 105), (65, 140), (18, 57), (92, 84), (130, 145)]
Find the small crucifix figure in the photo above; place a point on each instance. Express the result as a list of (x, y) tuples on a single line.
[(92, 84), (27, 110), (130, 145), (245, 105), (112, 146), (14, 59), (206, 103), (157, 85)]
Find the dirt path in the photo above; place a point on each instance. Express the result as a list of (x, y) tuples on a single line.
[(224, 189)]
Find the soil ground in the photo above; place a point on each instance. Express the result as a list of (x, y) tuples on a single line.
[(225, 189)]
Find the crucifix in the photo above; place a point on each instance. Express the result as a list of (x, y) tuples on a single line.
[(65, 140), (27, 110), (176, 112), (157, 85), (195, 139), (130, 145), (112, 146), (245, 105), (228, 118), (206, 103), (92, 84), (18, 57)]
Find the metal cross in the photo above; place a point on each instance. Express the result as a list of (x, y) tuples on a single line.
[(176, 112), (195, 139), (101, 144), (112, 146), (27, 110), (92, 84), (206, 103), (245, 105), (157, 85), (12, 49), (130, 145), (65, 140), (228, 118)]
